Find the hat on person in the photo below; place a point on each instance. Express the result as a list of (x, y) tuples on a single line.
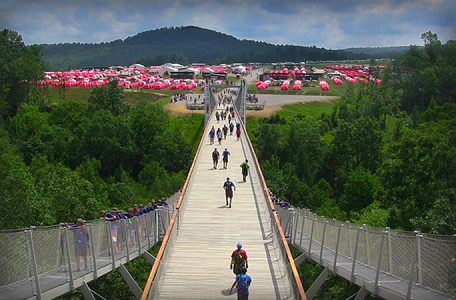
[(239, 245), (80, 221)]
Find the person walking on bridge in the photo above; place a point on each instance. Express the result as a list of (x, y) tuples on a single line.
[(225, 154), (245, 169), (238, 259), (225, 131), (219, 136), (228, 186), (215, 158), (242, 283), (231, 128), (212, 135)]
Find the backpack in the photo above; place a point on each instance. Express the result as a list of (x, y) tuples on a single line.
[(239, 259)]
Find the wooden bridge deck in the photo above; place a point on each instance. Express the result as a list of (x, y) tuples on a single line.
[(198, 265)]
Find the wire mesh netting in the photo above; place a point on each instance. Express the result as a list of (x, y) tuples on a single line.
[(420, 259), (63, 253), (15, 257)]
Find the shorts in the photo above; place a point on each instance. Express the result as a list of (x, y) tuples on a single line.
[(80, 250), (229, 193)]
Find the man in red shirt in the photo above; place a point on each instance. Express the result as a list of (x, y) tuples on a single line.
[(238, 259)]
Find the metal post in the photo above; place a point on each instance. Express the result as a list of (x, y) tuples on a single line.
[(147, 217), (349, 238), (366, 243), (92, 248), (377, 274), (311, 236), (412, 273), (296, 216), (302, 230), (136, 219), (35, 267), (125, 232), (67, 248), (157, 232), (337, 247), (354, 254), (418, 257), (108, 229), (390, 253), (323, 240)]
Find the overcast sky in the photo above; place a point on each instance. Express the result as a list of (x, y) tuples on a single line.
[(331, 24)]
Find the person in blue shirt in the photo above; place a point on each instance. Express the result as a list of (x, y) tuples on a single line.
[(212, 135), (228, 186), (225, 154), (242, 283), (80, 241)]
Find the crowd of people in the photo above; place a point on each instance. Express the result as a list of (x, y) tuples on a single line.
[(118, 237)]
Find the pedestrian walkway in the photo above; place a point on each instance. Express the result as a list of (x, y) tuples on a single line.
[(198, 264)]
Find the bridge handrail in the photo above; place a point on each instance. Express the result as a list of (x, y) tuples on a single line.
[(297, 279), (418, 259), (30, 255), (172, 222)]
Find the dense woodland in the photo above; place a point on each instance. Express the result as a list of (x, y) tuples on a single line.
[(385, 156), (62, 162), (182, 45)]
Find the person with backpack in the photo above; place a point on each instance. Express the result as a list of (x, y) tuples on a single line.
[(245, 169), (225, 154), (238, 259), (242, 283), (228, 186), (215, 158), (212, 135)]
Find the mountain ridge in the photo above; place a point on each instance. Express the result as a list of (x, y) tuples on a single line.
[(184, 45)]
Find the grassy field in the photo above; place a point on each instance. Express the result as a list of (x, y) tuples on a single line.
[(59, 95), (312, 110), (314, 90)]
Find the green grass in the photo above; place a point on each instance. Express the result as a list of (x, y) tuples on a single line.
[(312, 110), (59, 95)]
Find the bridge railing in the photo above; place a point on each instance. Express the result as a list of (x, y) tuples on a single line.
[(36, 260), (416, 258), (278, 235)]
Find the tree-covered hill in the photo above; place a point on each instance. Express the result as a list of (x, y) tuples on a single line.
[(183, 45)]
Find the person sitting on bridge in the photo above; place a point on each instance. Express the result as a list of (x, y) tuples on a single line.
[(81, 242), (215, 158), (228, 186), (242, 283), (238, 259)]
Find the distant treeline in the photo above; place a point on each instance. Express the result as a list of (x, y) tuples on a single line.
[(186, 45)]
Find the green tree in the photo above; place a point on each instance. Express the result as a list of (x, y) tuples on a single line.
[(359, 190), (20, 65), (109, 97)]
